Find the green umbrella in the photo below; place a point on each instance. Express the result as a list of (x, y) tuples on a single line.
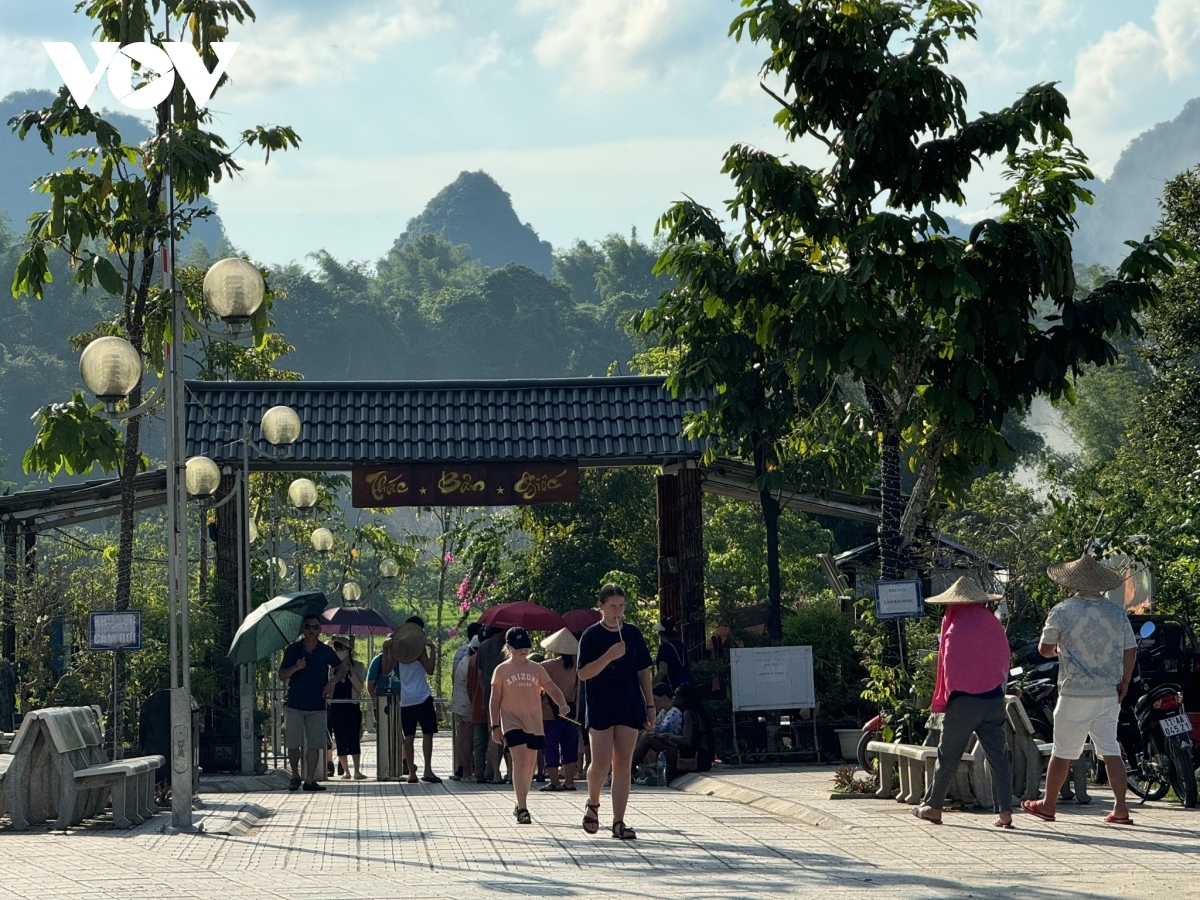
[(274, 625)]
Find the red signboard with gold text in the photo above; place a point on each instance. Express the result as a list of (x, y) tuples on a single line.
[(465, 484)]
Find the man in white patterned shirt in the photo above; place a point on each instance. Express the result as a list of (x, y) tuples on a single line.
[(1096, 650)]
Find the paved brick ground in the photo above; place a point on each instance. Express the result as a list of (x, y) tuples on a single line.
[(369, 839)]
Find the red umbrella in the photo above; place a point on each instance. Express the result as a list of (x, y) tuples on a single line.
[(355, 620), (524, 614), (581, 619)]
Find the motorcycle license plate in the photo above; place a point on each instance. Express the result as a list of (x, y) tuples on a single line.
[(1176, 725)]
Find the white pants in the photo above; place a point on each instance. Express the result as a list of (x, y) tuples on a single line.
[(1077, 717)]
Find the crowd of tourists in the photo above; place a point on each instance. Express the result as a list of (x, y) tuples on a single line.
[(592, 703)]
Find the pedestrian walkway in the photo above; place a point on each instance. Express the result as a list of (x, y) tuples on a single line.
[(458, 840)]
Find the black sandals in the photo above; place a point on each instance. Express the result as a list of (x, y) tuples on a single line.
[(591, 820), (622, 833)]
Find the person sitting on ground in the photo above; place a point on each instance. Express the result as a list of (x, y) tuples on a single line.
[(562, 734), (306, 669), (692, 749), (416, 702), (668, 719), (345, 718), (516, 712)]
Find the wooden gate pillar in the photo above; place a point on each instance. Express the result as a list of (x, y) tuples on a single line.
[(226, 601), (681, 556), (9, 611), (691, 562), (670, 586)]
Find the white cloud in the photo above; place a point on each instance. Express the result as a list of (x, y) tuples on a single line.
[(292, 48), (616, 45), (23, 64), (1178, 25), (1016, 23), (1115, 75), (481, 54)]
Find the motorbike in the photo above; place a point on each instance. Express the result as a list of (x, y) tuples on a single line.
[(1153, 731)]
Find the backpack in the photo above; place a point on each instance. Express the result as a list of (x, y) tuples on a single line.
[(685, 674)]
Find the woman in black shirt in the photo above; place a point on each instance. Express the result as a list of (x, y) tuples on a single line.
[(614, 667)]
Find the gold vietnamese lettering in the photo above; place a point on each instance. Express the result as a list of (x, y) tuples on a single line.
[(459, 483), (529, 486), (383, 487)]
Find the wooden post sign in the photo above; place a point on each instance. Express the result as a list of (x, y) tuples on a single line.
[(465, 484)]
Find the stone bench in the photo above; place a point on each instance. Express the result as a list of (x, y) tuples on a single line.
[(58, 770), (916, 763)]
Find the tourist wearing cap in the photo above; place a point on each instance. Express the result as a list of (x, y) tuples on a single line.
[(614, 666), (1096, 651), (562, 735), (516, 712), (414, 664), (345, 717), (972, 667)]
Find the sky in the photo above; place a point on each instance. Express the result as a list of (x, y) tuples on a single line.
[(595, 115)]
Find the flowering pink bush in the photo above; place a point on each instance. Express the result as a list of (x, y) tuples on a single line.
[(448, 558), (453, 632)]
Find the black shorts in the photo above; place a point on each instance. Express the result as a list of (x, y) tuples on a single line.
[(518, 738), (422, 714)]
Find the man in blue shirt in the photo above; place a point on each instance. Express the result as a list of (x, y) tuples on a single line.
[(306, 669)]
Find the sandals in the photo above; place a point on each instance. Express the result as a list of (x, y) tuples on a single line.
[(522, 814), (919, 812), (1000, 823), (1114, 819), (549, 787), (1034, 808), (621, 832), (591, 819)]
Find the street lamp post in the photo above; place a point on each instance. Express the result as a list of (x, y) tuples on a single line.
[(111, 367)]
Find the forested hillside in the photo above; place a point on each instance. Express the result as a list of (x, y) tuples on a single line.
[(474, 210), (1128, 202)]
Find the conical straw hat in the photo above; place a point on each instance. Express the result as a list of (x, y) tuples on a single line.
[(561, 642), (1086, 575), (407, 642), (964, 590)]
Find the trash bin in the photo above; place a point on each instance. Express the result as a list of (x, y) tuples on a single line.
[(220, 752), (154, 731)]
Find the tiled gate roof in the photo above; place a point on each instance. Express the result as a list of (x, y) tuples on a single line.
[(598, 421)]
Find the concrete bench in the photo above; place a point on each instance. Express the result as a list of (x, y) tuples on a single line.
[(916, 764), (59, 771)]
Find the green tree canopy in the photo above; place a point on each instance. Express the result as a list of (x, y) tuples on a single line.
[(861, 276)]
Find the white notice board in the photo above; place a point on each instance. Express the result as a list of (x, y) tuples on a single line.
[(772, 678)]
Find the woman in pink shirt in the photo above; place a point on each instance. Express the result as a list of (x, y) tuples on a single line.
[(973, 660), (516, 712)]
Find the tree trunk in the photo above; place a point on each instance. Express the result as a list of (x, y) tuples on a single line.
[(770, 510), (918, 500), (891, 551)]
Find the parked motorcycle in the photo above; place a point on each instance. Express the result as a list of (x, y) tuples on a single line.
[(1153, 732)]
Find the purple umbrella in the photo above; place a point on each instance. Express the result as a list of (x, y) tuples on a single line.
[(356, 620)]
